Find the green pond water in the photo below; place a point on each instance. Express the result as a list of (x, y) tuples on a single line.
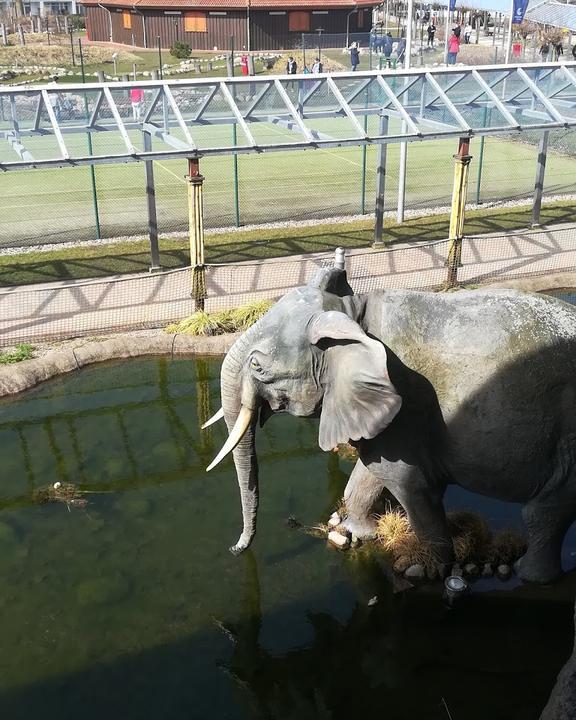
[(133, 607)]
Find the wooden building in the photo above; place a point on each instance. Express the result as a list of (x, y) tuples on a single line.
[(209, 24)]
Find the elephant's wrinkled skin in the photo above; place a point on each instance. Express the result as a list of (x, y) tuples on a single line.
[(474, 387)]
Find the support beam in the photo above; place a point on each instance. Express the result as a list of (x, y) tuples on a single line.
[(461, 167), (196, 231), (539, 182), (151, 205), (380, 184)]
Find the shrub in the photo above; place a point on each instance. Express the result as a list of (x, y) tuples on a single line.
[(180, 50), (21, 352)]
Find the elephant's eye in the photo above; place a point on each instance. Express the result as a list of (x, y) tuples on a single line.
[(254, 364)]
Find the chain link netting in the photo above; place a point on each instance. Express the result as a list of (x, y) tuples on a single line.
[(40, 207), (82, 308)]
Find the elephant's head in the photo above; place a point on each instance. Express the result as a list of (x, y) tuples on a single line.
[(306, 356)]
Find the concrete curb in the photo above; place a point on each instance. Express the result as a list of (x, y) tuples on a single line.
[(28, 373)]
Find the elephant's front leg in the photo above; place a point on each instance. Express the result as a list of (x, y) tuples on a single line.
[(423, 505)]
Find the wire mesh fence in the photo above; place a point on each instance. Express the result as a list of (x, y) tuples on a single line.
[(42, 313), (40, 207)]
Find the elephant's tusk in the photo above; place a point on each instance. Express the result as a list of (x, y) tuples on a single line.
[(236, 434), (218, 416)]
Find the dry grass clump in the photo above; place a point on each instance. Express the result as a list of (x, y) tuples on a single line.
[(224, 321), (472, 538)]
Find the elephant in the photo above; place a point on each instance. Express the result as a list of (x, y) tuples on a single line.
[(562, 702), (475, 388)]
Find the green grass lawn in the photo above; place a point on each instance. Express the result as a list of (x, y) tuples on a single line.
[(42, 206)]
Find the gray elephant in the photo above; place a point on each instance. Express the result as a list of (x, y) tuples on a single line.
[(562, 702), (475, 388)]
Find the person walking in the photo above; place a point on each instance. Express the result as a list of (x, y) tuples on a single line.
[(544, 50), (431, 33), (354, 56), (574, 51), (453, 47), (467, 33)]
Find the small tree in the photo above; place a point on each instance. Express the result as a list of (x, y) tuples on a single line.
[(525, 29), (180, 50)]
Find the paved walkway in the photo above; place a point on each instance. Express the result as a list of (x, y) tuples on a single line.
[(92, 307)]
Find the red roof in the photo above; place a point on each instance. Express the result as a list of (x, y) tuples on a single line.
[(233, 4)]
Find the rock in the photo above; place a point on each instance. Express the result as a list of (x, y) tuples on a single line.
[(373, 601), (457, 570), (487, 570), (401, 564), (471, 570), (334, 520), (503, 572), (338, 540), (415, 572)]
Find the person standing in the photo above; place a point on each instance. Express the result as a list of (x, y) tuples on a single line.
[(467, 33), (400, 50), (136, 98), (354, 56), (387, 46), (317, 67), (291, 66), (431, 33), (453, 47), (574, 51), (244, 69), (544, 50)]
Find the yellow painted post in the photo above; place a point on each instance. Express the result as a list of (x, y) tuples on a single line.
[(459, 192), (196, 230)]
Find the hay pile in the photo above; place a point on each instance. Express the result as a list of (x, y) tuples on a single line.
[(225, 321), (473, 541)]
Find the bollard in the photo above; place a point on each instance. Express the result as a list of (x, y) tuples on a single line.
[(196, 232), (461, 166)]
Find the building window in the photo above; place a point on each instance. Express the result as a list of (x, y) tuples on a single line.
[(299, 21), (126, 19), (319, 12), (216, 13), (195, 21), (279, 12), (360, 18)]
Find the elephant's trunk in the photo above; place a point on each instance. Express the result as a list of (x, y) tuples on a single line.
[(239, 404)]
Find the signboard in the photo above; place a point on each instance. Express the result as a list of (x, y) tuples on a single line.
[(519, 11)]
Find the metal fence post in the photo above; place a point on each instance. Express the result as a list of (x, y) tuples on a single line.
[(539, 182), (196, 231), (461, 166), (380, 182), (486, 116), (151, 204), (236, 184), (90, 151), (363, 173)]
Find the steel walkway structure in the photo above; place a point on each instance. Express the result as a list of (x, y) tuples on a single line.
[(46, 126)]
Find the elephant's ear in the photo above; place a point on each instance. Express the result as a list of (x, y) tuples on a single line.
[(359, 399)]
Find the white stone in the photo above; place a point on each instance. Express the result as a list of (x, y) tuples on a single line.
[(333, 521), (503, 571), (415, 572), (471, 569), (373, 601), (340, 541)]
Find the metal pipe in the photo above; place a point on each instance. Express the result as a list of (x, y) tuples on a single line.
[(109, 21), (151, 206), (380, 184), (90, 151)]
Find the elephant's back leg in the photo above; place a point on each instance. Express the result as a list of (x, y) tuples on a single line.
[(547, 518)]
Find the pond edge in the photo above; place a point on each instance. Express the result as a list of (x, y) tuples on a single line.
[(76, 354)]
